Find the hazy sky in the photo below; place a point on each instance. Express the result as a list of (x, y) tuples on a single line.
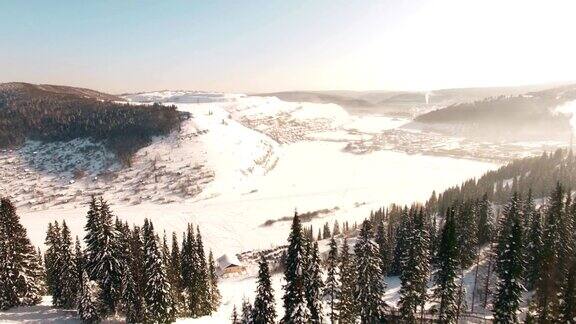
[(267, 45)]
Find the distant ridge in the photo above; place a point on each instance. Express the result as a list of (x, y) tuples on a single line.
[(406, 103), (42, 89), (528, 116)]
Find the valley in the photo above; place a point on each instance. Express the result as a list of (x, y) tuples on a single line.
[(239, 166)]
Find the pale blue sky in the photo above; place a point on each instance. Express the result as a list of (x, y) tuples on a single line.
[(267, 45)]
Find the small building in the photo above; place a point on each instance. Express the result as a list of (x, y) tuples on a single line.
[(229, 264)]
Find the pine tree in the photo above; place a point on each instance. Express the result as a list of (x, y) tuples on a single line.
[(51, 261), (19, 268), (246, 316), (446, 289), (509, 264), (102, 260), (90, 305), (347, 309), (332, 283), (131, 302), (400, 240), (567, 252), (203, 282), (533, 244), (415, 263), (568, 304), (466, 230), (264, 310), (175, 276), (370, 287), (483, 212), (91, 239), (41, 273), (189, 271), (157, 290), (296, 309), (326, 231), (136, 264), (383, 246), (549, 280), (235, 318), (336, 228), (67, 276), (214, 295), (313, 284), (79, 263), (122, 246)]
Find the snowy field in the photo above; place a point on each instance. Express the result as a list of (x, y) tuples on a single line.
[(246, 160), (255, 178)]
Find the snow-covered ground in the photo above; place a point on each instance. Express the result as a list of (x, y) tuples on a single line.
[(236, 163), (248, 177)]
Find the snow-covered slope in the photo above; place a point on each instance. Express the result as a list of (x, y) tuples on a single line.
[(238, 162)]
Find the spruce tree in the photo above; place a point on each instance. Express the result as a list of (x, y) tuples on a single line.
[(383, 246), (415, 262), (203, 282), (89, 304), (79, 262), (246, 316), (41, 273), (466, 230), (314, 284), (332, 283), (336, 228), (136, 264), (175, 276), (370, 287), (102, 259), (19, 268), (533, 245), (51, 261), (264, 310), (509, 264), (347, 307), (91, 239), (235, 319), (400, 244), (122, 246), (549, 280), (568, 303), (131, 302), (446, 290), (67, 275), (189, 266), (483, 212), (214, 295), (157, 289), (326, 231), (296, 309)]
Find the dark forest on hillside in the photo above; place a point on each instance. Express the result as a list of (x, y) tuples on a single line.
[(531, 116), (31, 112)]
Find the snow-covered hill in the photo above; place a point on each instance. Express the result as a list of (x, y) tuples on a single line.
[(236, 163)]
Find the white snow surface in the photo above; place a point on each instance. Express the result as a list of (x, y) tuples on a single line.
[(253, 159)]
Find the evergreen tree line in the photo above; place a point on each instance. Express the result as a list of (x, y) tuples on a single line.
[(129, 271), (536, 174), (526, 248), (120, 270)]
